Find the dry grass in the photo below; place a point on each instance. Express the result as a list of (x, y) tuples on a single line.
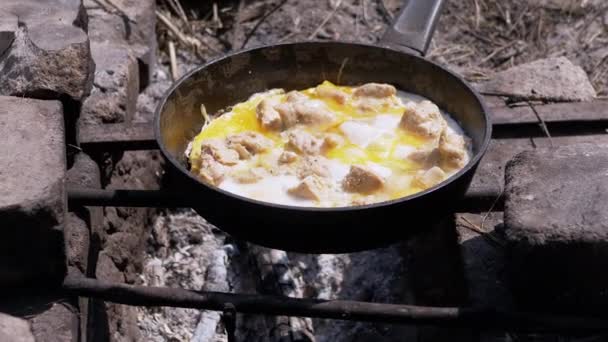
[(474, 37)]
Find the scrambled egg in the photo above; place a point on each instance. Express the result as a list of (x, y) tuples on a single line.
[(329, 146)]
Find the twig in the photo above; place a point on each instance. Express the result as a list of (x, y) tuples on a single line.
[(216, 16), (542, 123), (182, 37), (179, 10), (364, 6), (329, 15), (338, 79), (472, 226), (262, 19), (496, 51), (173, 59), (116, 9)]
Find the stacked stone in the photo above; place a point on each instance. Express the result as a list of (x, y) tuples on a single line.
[(61, 61)]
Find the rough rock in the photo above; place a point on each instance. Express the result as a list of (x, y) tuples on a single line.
[(129, 24), (32, 192), (556, 225), (15, 329), (116, 86), (551, 79), (47, 54), (59, 323)]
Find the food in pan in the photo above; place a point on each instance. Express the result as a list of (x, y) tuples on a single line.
[(329, 146)]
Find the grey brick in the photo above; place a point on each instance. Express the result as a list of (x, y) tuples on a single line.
[(32, 191), (47, 55), (116, 85), (556, 225), (15, 329), (551, 79)]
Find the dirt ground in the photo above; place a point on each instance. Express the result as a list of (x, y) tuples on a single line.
[(474, 37)]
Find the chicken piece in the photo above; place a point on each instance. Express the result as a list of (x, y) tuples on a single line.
[(425, 157), (430, 177), (423, 119), (268, 116), (210, 170), (251, 141), (332, 140), (311, 113), (452, 149), (289, 118), (249, 175), (295, 96), (312, 188), (287, 157), (218, 150), (377, 90), (242, 151), (304, 142), (362, 179), (330, 92), (313, 165)]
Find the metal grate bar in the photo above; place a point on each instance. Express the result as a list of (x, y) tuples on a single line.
[(477, 318)]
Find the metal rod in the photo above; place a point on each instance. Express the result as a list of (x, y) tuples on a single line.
[(229, 319), (479, 319), (171, 199)]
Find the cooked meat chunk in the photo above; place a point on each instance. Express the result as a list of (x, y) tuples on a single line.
[(361, 179), (250, 175), (304, 142), (289, 118), (311, 187), (268, 116), (313, 165), (452, 149), (296, 96), (287, 157), (218, 150), (253, 142), (426, 157), (431, 177), (331, 93), (423, 119), (332, 140), (311, 113), (242, 151), (210, 170), (377, 90)]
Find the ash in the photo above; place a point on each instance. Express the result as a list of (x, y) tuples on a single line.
[(186, 251)]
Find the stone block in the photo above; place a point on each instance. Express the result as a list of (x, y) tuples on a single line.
[(47, 54), (556, 226), (551, 79), (32, 190), (15, 329), (129, 24), (116, 85), (58, 323)]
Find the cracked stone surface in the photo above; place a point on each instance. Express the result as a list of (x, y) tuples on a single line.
[(556, 225), (551, 79), (15, 329), (45, 50), (32, 192), (116, 86)]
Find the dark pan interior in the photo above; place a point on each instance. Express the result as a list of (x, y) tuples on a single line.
[(234, 78)]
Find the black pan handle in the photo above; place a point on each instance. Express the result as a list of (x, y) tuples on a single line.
[(413, 28)]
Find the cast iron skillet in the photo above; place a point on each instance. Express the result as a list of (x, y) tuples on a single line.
[(233, 78)]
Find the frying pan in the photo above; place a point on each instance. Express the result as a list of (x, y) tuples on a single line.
[(396, 60)]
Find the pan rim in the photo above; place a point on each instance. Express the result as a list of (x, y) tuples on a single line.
[(471, 164)]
